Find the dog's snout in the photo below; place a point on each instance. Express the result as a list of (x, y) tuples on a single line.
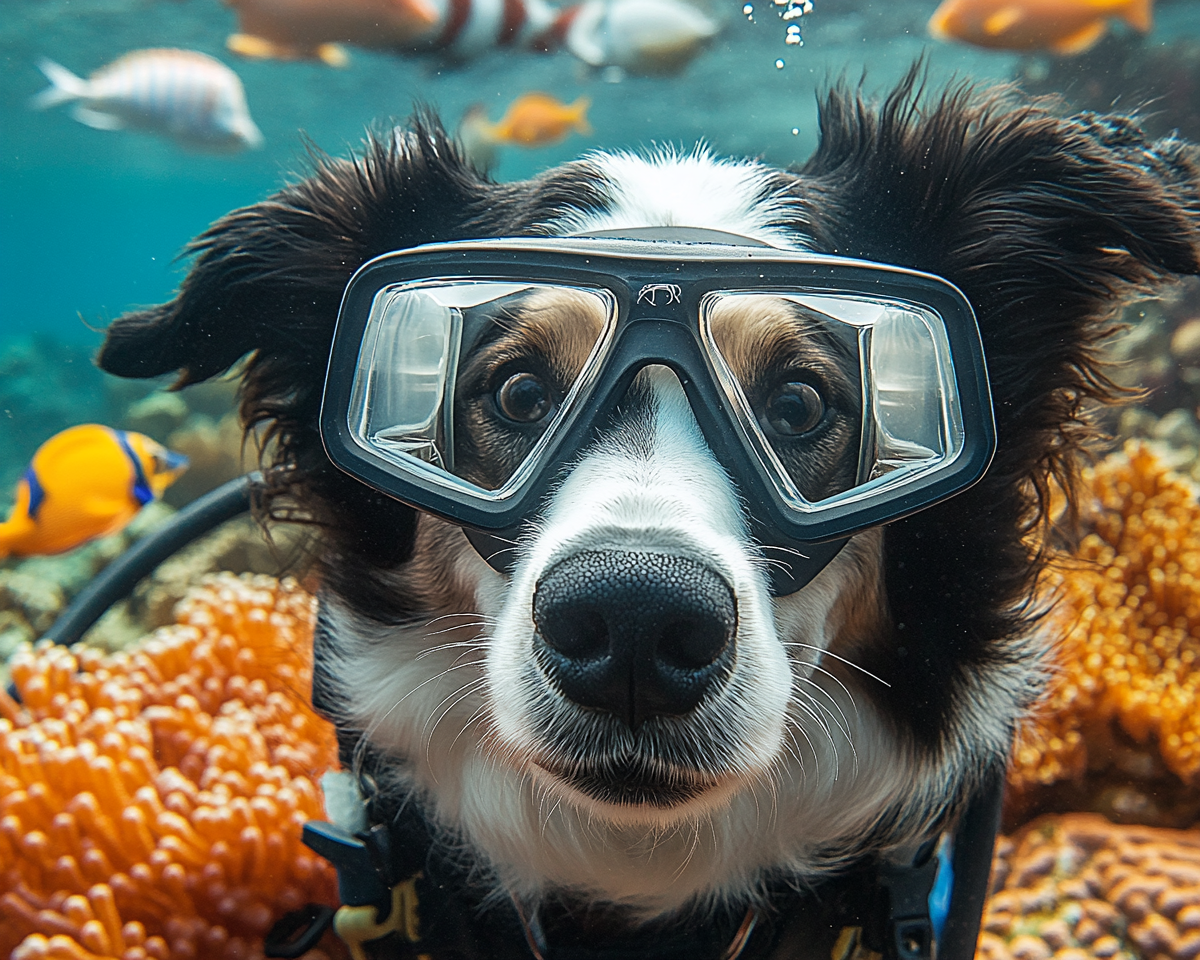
[(635, 634)]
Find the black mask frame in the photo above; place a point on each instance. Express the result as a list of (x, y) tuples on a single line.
[(661, 333)]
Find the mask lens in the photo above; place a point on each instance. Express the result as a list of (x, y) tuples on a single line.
[(841, 396), (465, 380)]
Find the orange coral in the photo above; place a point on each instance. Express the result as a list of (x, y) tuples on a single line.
[(1128, 615), (1075, 886), (151, 801)]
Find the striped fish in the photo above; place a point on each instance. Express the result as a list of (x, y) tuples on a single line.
[(456, 29), (467, 28), (188, 96)]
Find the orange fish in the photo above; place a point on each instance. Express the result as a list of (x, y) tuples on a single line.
[(86, 482), (538, 119), (1060, 26), (314, 29)]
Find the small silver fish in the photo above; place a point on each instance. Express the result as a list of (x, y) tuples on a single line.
[(183, 94)]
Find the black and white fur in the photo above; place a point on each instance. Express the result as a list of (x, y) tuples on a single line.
[(862, 709)]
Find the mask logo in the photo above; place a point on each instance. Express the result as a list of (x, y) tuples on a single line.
[(650, 292)]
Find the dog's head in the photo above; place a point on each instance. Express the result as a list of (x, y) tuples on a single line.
[(628, 711)]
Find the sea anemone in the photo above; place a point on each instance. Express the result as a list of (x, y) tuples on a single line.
[(151, 801), (1123, 702)]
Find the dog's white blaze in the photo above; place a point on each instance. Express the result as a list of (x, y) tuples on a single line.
[(694, 189), (677, 500), (680, 501)]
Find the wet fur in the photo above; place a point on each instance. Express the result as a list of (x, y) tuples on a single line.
[(1048, 224)]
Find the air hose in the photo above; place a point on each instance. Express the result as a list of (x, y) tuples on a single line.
[(117, 580)]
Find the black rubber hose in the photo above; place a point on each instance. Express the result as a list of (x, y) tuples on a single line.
[(117, 580), (974, 842)]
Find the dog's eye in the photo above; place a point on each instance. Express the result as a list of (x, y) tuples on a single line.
[(792, 409), (524, 398)]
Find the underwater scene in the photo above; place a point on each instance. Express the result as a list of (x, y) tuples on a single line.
[(156, 776)]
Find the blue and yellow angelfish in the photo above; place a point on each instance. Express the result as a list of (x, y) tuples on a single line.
[(88, 481)]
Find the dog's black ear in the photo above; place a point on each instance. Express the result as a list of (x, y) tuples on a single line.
[(267, 281), (269, 277), (1048, 224)]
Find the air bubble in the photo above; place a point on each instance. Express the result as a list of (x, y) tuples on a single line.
[(748, 9), (795, 131), (779, 64), (793, 40)]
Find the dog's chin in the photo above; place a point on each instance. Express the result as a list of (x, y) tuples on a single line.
[(628, 784)]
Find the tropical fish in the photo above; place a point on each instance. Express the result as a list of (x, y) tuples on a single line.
[(639, 36), (315, 29), (183, 94), (537, 119), (85, 482), (456, 29), (1060, 26), (469, 28)]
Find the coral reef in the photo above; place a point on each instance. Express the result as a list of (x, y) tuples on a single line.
[(1119, 731), (151, 800), (215, 454), (1159, 355), (1075, 886), (238, 546), (35, 590), (47, 384)]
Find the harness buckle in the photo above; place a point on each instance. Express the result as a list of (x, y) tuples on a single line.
[(358, 925)]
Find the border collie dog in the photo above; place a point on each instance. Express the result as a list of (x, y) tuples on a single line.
[(859, 712)]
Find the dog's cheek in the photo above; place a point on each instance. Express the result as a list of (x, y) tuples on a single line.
[(841, 609), (446, 575), (512, 678)]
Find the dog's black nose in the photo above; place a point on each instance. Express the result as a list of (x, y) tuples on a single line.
[(635, 634)]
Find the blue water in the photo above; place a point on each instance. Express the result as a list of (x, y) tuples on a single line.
[(91, 222), (93, 219)]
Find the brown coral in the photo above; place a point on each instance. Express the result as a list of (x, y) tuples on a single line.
[(1075, 886), (151, 801), (1124, 701)]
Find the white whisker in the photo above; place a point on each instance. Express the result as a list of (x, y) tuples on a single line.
[(828, 653)]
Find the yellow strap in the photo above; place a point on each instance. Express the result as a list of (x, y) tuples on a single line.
[(357, 925), (849, 946)]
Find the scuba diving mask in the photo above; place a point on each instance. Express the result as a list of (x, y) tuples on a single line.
[(838, 394)]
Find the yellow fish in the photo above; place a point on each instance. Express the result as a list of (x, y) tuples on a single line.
[(1060, 26), (86, 482), (537, 119)]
